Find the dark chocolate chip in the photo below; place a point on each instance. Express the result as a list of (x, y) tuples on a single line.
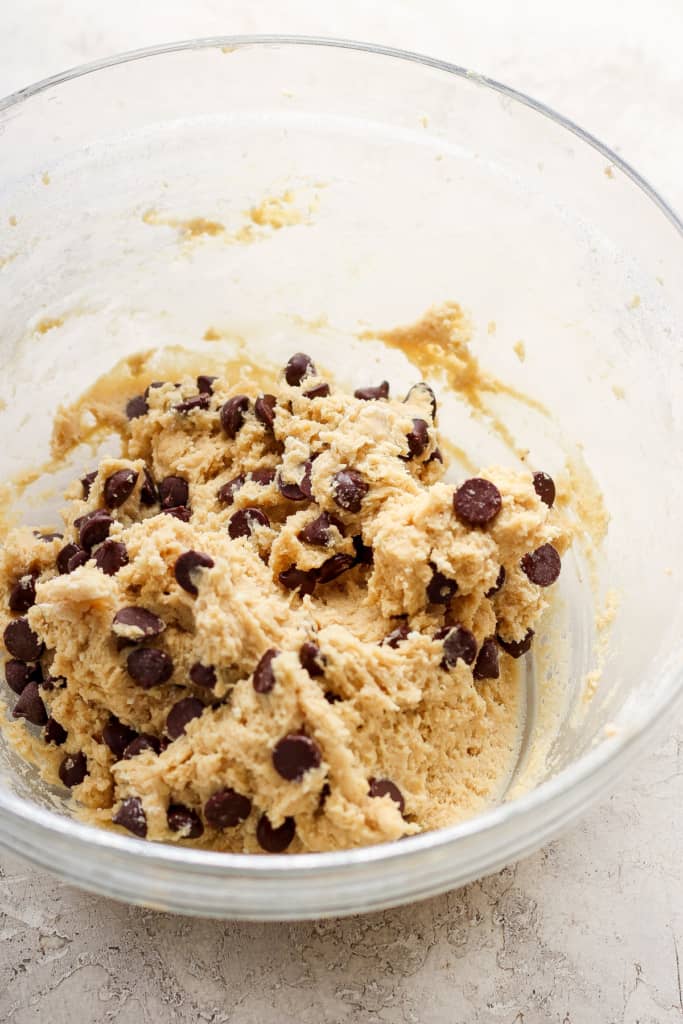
[(47, 537), (264, 410), (232, 414), (93, 528), (264, 476), (243, 522), (173, 492), (397, 636), (189, 563), (78, 559), (54, 732), (500, 580), (324, 793), (335, 566), (440, 588), (181, 714), (436, 456), (119, 486), (136, 407), (275, 840), (227, 492), (418, 438), (294, 491), (372, 394), (203, 675), (22, 596), (542, 566), (486, 665), (364, 555), (18, 674), (544, 486), (458, 642), (319, 391), (145, 741), (149, 666), (137, 624), (264, 676), (131, 816), (306, 485), (299, 366), (73, 769), (318, 532), (205, 384), (181, 512), (385, 787), (516, 648), (332, 698), (226, 808), (294, 755), (422, 390), (87, 481), (298, 579), (117, 736), (156, 384), (201, 401), (348, 489), (30, 706), (184, 820), (477, 502), (21, 641), (111, 556), (311, 659), (148, 491)]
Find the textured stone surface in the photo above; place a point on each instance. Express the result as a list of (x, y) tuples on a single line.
[(588, 930)]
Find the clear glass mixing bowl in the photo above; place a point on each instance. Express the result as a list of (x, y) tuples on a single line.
[(415, 182)]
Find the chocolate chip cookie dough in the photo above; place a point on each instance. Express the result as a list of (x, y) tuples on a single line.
[(271, 625)]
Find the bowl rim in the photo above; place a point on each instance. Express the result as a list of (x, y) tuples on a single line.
[(598, 766)]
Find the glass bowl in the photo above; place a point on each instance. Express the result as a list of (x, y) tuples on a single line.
[(130, 190)]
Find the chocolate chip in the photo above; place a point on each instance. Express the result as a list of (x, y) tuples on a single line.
[(111, 556), (294, 755), (145, 741), (30, 706), (500, 580), (47, 537), (299, 366), (422, 391), (21, 641), (173, 492), (22, 596), (318, 532), (183, 819), (372, 394), (136, 624), (516, 648), (73, 769), (18, 674), (264, 476), (149, 666), (181, 714), (187, 564), (226, 808), (205, 384), (54, 732), (294, 491), (332, 698), (203, 675), (319, 391), (458, 642), (397, 636), (131, 815), (348, 489), (486, 665), (418, 438), (264, 676), (80, 558), (264, 410), (542, 566), (311, 659), (93, 528), (232, 414), (227, 492), (544, 486), (201, 401), (298, 579), (477, 502), (306, 485), (181, 512), (243, 522), (157, 384), (334, 567), (436, 456), (275, 840), (385, 787), (440, 588), (117, 736), (364, 555), (148, 491), (118, 487), (87, 481), (136, 407)]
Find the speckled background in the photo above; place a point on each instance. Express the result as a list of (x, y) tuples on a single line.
[(588, 930)]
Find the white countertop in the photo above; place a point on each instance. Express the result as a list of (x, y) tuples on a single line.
[(588, 930)]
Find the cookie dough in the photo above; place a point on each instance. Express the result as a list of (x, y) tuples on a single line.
[(271, 625)]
